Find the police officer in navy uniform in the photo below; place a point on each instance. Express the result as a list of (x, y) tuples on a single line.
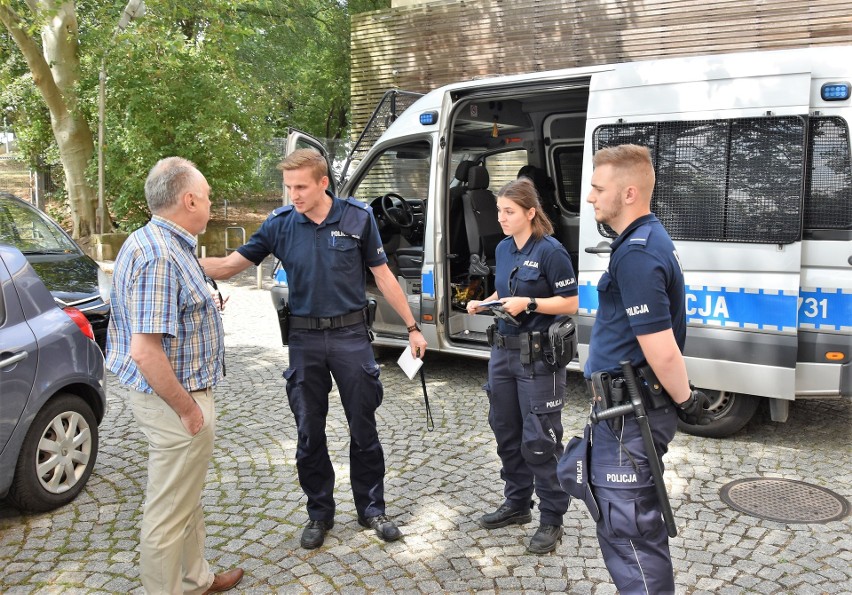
[(325, 244), (641, 317), (535, 282)]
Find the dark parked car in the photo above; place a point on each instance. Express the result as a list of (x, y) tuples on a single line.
[(52, 392), (72, 277)]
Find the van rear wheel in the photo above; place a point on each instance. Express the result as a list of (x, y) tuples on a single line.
[(730, 411)]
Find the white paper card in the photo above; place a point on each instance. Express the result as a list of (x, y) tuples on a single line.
[(409, 364)]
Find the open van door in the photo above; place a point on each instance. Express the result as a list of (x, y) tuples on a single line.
[(296, 139), (728, 141)]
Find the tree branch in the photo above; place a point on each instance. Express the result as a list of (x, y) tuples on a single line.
[(42, 75)]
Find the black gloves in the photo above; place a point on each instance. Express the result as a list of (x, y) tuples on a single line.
[(694, 411)]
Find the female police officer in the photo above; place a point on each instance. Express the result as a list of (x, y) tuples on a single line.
[(535, 282)]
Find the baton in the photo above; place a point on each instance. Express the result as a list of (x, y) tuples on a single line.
[(638, 408), (430, 423)]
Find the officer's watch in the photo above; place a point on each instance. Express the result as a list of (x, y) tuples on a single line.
[(531, 306), (413, 328)]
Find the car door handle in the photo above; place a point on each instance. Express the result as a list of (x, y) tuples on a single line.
[(602, 248), (21, 355)]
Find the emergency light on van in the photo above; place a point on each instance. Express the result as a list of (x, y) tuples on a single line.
[(427, 118), (829, 92)]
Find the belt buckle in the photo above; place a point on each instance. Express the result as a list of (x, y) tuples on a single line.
[(324, 323)]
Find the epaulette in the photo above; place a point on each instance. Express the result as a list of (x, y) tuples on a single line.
[(640, 236), (361, 205), (280, 211)]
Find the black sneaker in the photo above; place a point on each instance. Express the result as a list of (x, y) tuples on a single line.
[(505, 515), (382, 525), (313, 535), (545, 539)]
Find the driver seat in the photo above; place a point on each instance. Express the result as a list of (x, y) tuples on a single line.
[(480, 214)]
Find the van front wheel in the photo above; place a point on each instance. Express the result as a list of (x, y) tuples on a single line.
[(730, 411)]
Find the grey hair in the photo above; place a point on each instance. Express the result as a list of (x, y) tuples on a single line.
[(166, 181)]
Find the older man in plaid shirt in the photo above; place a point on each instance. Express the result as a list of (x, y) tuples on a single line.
[(166, 343)]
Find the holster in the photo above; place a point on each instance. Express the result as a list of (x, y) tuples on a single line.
[(489, 334), (284, 321), (371, 312), (532, 348)]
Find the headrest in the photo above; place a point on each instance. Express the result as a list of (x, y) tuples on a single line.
[(462, 169), (477, 178), (538, 176)]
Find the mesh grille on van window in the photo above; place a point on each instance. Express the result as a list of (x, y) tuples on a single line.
[(736, 180), (828, 202)]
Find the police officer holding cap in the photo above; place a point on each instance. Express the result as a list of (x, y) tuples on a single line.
[(535, 283), (326, 244), (641, 318)]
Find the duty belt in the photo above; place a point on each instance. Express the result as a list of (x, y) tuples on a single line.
[(318, 324), (507, 341), (614, 392)]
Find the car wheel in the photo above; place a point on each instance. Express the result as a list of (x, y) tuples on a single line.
[(57, 456), (730, 412)]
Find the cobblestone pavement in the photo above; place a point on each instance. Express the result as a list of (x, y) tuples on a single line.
[(438, 483)]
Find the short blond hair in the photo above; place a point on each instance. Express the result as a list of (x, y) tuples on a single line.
[(306, 158), (632, 165)]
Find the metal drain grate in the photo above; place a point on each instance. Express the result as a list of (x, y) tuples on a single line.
[(784, 500)]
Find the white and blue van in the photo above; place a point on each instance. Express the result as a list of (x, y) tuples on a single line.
[(754, 184)]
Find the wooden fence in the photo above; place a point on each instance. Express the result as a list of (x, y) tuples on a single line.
[(423, 46)]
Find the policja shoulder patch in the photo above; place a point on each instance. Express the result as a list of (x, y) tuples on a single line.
[(538, 441), (572, 471)]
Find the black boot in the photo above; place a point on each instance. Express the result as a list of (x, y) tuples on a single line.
[(545, 539), (505, 515)]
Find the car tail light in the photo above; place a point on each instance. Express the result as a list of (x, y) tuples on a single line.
[(80, 319)]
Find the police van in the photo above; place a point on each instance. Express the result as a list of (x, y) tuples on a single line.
[(754, 184)]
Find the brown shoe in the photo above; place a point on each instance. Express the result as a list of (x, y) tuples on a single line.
[(225, 581)]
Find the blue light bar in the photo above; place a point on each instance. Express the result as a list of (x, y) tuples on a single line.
[(427, 118), (835, 91)]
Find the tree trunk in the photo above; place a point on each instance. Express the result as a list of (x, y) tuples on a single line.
[(76, 147), (55, 67)]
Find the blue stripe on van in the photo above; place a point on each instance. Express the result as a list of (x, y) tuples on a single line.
[(825, 309), (427, 283), (741, 308)]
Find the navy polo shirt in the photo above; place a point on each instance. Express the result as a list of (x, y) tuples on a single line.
[(541, 269), (642, 292), (325, 263)]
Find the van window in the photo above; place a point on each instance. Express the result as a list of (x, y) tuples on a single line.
[(828, 201), (737, 180), (401, 169), (504, 167), (569, 168)]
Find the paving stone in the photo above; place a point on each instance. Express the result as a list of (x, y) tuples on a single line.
[(438, 484)]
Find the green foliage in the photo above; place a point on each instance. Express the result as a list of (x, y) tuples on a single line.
[(209, 80), (170, 94)]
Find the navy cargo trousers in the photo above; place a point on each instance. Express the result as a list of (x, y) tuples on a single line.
[(346, 354)]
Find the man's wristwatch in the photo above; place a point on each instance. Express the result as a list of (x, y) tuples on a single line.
[(531, 306), (413, 327)]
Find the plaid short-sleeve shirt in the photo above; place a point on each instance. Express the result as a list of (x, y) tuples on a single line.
[(159, 287)]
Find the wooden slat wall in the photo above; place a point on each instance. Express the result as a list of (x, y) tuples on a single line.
[(421, 47)]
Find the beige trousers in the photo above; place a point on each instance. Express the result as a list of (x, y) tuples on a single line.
[(172, 541)]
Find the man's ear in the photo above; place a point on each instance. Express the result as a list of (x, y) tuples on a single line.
[(188, 201), (631, 193)]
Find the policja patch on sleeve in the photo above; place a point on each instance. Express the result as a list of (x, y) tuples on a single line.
[(572, 471)]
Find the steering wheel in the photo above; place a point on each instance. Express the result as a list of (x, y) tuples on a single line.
[(397, 210)]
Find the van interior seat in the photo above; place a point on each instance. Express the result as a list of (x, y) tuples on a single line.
[(546, 190), (457, 236), (483, 229)]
